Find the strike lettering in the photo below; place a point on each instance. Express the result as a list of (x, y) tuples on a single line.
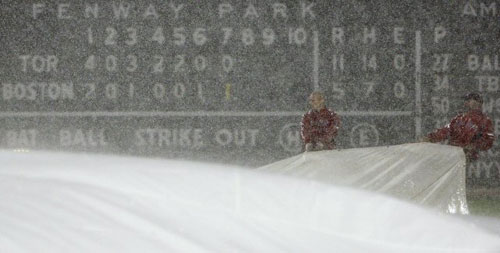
[(164, 137)]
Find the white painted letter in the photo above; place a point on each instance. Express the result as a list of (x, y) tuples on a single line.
[(439, 33), (279, 8), (398, 35), (37, 9), (62, 10), (224, 8)]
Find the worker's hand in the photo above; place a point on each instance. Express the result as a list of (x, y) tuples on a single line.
[(424, 139), (319, 146), (309, 147), (469, 147)]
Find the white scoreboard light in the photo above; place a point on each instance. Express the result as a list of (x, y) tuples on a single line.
[(229, 80)]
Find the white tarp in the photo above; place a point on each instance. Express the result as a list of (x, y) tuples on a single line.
[(53, 202), (425, 173)]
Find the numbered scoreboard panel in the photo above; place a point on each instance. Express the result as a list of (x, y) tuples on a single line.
[(229, 80)]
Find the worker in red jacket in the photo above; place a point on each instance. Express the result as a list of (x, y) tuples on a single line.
[(319, 125), (472, 130)]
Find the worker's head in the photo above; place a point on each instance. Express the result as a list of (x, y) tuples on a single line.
[(317, 100), (473, 101)]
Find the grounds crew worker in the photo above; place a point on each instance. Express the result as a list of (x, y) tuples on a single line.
[(472, 130), (319, 125)]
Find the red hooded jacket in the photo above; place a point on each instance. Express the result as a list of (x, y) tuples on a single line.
[(472, 131), (320, 127)]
